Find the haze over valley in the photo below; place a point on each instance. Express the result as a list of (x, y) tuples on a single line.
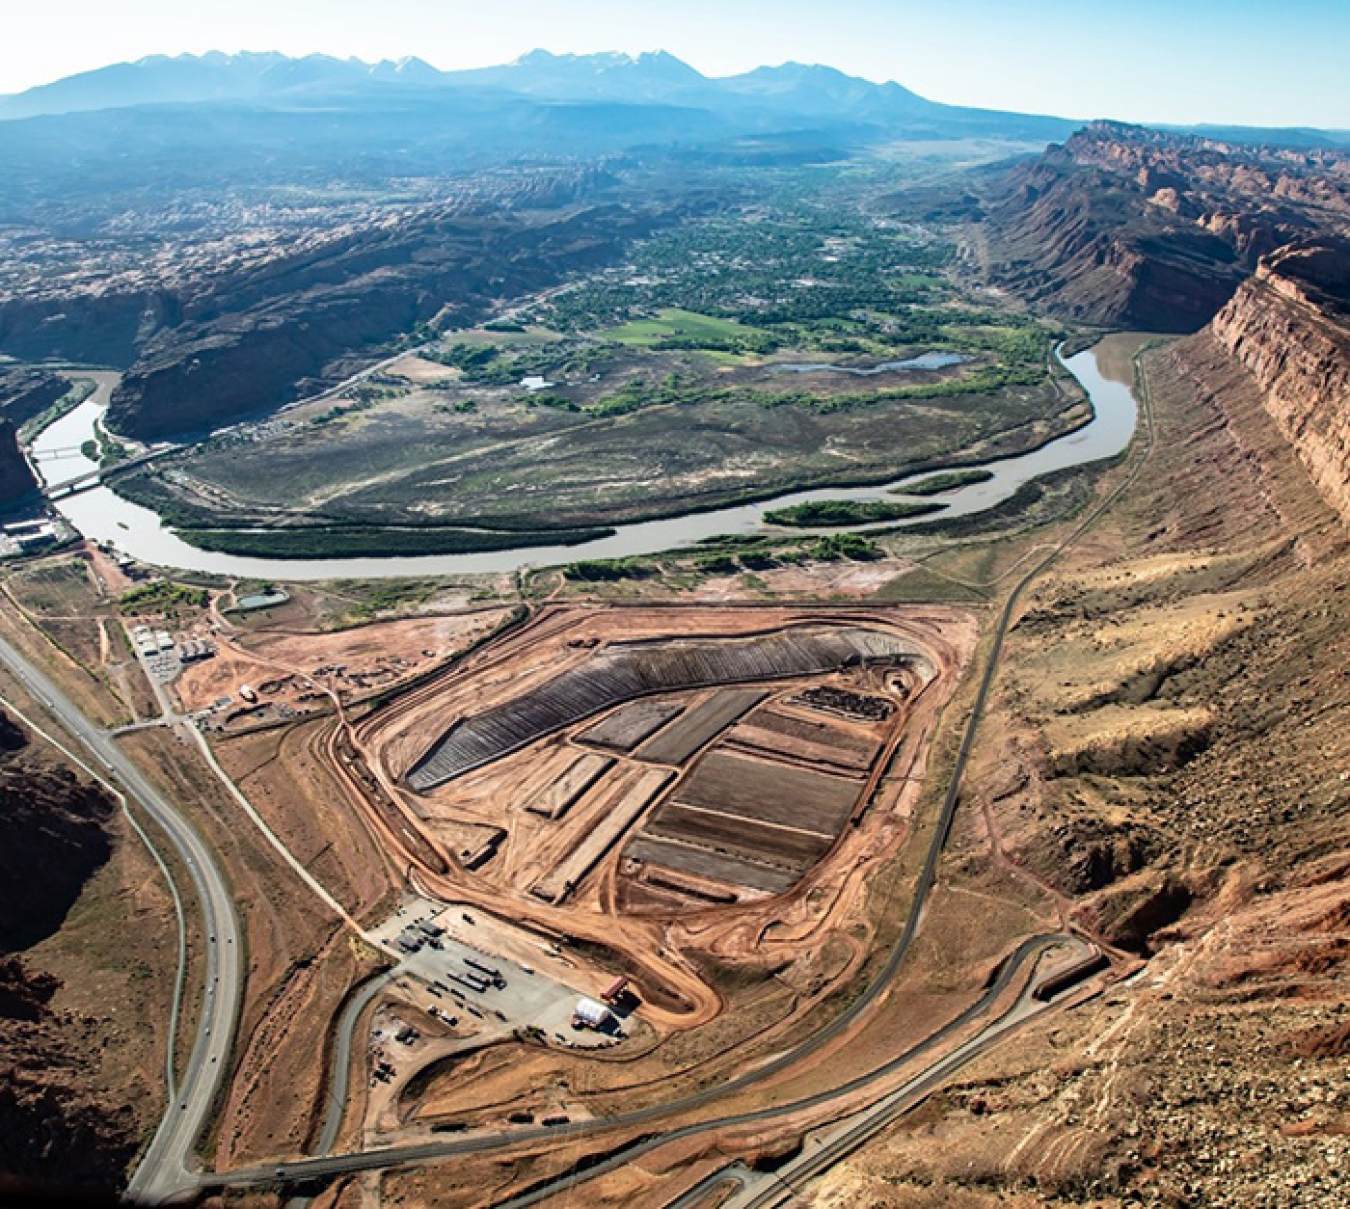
[(590, 630)]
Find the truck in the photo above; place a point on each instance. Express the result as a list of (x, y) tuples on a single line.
[(485, 970)]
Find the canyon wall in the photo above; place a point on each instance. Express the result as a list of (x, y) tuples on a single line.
[(25, 393), (17, 481), (60, 1126), (260, 338), (1127, 227), (1289, 327), (95, 327)]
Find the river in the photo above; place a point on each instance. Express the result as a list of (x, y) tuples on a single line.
[(104, 516)]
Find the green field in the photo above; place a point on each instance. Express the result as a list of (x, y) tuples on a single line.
[(674, 328), (663, 396)]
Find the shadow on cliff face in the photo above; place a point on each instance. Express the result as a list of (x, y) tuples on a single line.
[(59, 1142), (1127, 227), (53, 837), (19, 1195)]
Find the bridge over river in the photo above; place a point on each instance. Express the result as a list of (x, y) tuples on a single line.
[(97, 477)]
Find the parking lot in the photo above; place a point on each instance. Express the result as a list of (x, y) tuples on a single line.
[(487, 992)]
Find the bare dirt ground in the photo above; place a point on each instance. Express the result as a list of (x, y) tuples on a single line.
[(62, 611), (300, 965), (778, 961), (980, 920), (850, 580), (1165, 759), (422, 371), (1162, 768), (286, 774), (395, 736), (295, 672), (98, 1044)]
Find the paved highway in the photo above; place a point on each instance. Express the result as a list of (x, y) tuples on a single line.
[(167, 1167), (328, 1166), (104, 475), (303, 1170), (756, 1189), (766, 1190), (341, 1063)]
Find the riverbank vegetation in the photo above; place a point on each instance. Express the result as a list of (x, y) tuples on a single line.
[(655, 387), (949, 480), (821, 514), (162, 598), (375, 542), (728, 556)]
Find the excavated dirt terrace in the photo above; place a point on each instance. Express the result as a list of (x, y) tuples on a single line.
[(624, 808)]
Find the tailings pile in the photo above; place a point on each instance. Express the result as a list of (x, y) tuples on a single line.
[(621, 673)]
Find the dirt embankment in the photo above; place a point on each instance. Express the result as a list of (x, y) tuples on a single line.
[(1168, 709), (1216, 1080)]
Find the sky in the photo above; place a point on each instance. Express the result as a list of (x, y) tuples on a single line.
[(1253, 62)]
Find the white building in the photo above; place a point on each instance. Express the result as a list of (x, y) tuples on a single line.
[(589, 1014)]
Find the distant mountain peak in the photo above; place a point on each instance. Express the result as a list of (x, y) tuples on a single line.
[(604, 58), (409, 69), (665, 59), (652, 76), (793, 95), (827, 90), (534, 57)]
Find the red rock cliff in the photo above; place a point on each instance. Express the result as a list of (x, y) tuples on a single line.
[(1289, 326), (1128, 227)]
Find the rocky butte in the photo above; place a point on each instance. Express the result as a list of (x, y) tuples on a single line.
[(16, 476)]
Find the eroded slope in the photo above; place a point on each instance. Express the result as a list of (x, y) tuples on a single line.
[(1165, 763), (1129, 227)]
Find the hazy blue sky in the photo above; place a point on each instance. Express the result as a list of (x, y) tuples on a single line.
[(1250, 61)]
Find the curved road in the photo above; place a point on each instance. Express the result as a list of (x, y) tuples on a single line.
[(848, 1135), (167, 1167), (340, 1064), (303, 1170), (327, 1166), (855, 1129)]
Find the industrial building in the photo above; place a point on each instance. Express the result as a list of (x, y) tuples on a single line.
[(589, 1014), (193, 650)]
